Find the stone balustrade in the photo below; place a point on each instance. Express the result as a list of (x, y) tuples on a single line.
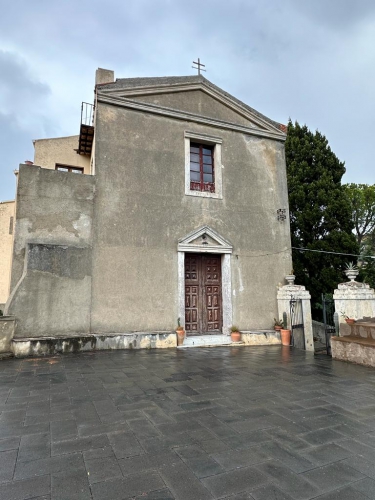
[(363, 328)]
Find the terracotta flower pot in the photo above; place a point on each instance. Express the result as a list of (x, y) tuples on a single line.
[(285, 336), (350, 321), (278, 328), (235, 336), (180, 336)]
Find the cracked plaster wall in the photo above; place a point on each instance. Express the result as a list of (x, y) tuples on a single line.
[(51, 272)]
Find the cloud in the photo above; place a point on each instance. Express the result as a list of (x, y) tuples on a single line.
[(337, 14), (23, 115), (21, 94), (15, 147), (16, 76), (312, 60)]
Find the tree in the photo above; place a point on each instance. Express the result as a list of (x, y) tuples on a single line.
[(362, 204), (320, 213), (367, 263)]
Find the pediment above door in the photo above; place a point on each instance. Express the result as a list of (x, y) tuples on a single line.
[(205, 240)]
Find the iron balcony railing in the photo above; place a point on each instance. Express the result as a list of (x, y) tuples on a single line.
[(87, 114)]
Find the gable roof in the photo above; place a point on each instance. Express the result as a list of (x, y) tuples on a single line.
[(170, 81), (122, 91)]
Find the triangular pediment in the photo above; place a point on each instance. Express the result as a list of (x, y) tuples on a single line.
[(199, 102), (194, 98), (204, 239)]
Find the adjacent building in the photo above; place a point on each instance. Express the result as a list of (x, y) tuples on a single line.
[(6, 245)]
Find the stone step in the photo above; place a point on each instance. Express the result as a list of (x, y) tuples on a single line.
[(207, 341), (6, 355)]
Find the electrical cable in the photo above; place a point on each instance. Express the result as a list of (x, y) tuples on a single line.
[(335, 253)]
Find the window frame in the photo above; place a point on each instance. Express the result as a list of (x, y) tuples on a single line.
[(215, 144), (69, 168), (201, 184)]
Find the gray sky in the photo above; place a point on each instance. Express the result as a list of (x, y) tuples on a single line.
[(311, 60)]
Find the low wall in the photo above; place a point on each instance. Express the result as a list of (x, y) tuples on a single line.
[(7, 326), (265, 337), (355, 350), (47, 346)]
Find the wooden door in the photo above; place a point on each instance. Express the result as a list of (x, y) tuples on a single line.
[(203, 300)]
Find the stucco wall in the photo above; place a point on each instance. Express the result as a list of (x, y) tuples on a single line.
[(141, 211), (51, 271), (48, 152), (197, 102), (6, 242)]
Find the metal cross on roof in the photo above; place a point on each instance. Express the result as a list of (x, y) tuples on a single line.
[(199, 66)]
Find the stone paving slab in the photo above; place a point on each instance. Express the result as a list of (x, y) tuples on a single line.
[(233, 423)]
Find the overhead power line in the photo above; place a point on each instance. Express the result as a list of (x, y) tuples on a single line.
[(335, 253)]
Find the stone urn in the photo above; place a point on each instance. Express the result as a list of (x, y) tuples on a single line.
[(351, 273), (290, 279)]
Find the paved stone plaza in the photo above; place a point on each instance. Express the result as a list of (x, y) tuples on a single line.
[(263, 423)]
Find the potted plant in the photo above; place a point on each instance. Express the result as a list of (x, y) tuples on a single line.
[(285, 335), (235, 334), (180, 333), (278, 325), (349, 321), (351, 271)]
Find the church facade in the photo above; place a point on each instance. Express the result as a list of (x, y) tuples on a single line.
[(179, 214)]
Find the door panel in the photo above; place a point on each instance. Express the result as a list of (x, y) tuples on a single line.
[(203, 300)]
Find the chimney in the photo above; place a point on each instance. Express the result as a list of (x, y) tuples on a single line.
[(103, 76)]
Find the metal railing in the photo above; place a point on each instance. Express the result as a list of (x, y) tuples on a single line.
[(87, 114)]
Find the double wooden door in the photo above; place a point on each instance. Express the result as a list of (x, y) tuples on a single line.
[(203, 298)]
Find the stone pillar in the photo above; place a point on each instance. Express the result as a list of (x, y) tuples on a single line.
[(355, 300), (7, 325), (298, 292)]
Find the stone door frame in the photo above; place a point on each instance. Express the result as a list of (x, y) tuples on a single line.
[(206, 240)]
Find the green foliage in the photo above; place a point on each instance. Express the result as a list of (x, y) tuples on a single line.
[(350, 266), (367, 264), (320, 213), (285, 320), (234, 328), (362, 203)]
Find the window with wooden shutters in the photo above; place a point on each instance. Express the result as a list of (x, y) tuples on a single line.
[(202, 167)]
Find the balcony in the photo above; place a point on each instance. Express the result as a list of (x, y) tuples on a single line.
[(86, 134)]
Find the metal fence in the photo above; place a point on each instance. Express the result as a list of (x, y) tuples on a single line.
[(323, 330), (296, 321)]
